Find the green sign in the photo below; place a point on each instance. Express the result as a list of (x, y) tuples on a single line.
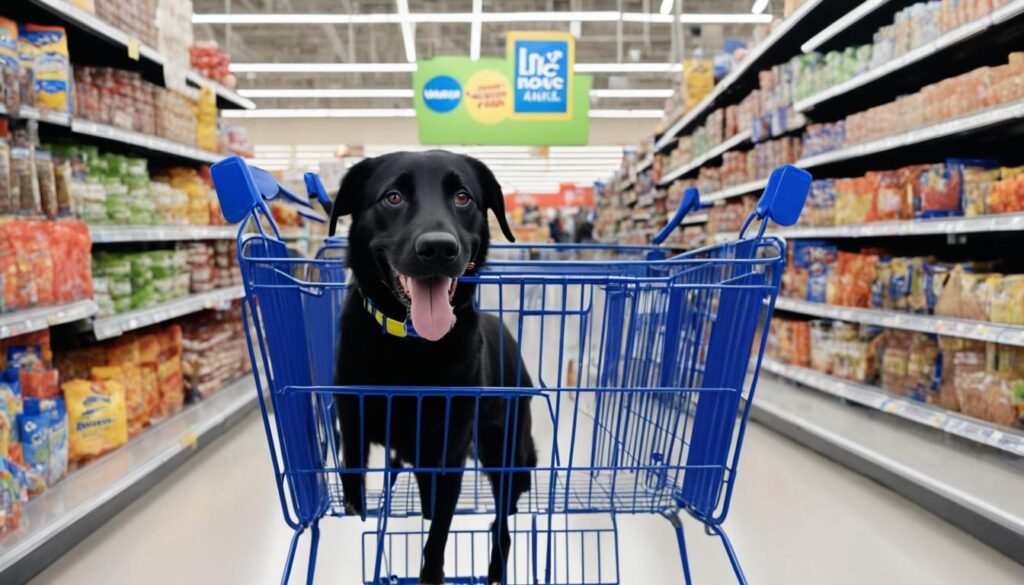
[(530, 98)]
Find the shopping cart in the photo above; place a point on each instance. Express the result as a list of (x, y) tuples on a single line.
[(641, 362)]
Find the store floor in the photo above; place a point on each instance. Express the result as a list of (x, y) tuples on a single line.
[(796, 518)]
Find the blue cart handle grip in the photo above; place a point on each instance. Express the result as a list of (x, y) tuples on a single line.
[(243, 189), (783, 199), (689, 202), (316, 190)]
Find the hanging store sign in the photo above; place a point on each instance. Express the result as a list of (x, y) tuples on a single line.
[(530, 98)]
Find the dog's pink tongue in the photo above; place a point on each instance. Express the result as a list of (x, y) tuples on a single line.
[(431, 313)]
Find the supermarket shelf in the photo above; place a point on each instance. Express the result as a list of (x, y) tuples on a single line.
[(749, 66), (103, 32), (966, 328), (694, 219), (65, 514), (911, 58), (137, 139), (645, 164), (109, 327), (39, 318), (1002, 438), (48, 116), (1007, 222), (713, 153), (965, 483), (223, 94), (743, 189), (1011, 113), (109, 234), (842, 24)]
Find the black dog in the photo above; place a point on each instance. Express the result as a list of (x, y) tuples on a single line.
[(419, 222)]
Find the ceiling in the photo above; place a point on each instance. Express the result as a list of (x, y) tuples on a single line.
[(597, 42)]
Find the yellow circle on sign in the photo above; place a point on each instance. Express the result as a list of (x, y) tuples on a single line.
[(488, 96)]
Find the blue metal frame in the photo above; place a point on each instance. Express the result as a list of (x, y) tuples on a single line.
[(640, 361)]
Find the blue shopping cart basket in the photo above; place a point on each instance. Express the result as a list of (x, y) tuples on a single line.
[(642, 363)]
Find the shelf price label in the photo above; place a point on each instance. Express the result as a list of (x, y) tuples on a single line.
[(133, 49)]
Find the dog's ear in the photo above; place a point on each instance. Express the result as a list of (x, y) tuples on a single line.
[(493, 198), (350, 193)]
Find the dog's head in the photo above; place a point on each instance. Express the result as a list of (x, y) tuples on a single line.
[(419, 220)]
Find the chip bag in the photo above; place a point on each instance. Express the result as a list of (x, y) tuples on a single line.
[(97, 422)]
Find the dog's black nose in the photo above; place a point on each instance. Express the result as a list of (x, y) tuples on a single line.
[(438, 248)]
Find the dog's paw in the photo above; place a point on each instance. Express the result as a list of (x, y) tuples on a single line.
[(434, 578), (353, 510)]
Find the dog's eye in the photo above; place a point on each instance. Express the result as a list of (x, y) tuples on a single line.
[(462, 199), (393, 197)]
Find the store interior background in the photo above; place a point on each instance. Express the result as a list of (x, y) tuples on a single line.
[(851, 475)]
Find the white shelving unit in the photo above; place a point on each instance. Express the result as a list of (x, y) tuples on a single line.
[(1007, 222), (110, 234), (966, 328), (109, 327), (694, 219), (48, 116), (841, 24), (70, 510), (715, 152), (139, 140), (39, 318), (1002, 438), (729, 192), (909, 59), (106, 32), (778, 33), (999, 115)]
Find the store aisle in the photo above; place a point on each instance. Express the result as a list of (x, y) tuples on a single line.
[(797, 518)]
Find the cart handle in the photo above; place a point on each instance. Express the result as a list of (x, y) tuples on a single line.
[(783, 199), (316, 191), (689, 202), (243, 189)]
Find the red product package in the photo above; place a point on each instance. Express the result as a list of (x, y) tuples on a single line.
[(22, 242), (8, 272), (70, 241), (42, 261), (42, 383)]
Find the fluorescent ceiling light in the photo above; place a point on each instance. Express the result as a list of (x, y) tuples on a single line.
[(628, 67), (697, 18), (322, 113), (618, 113), (474, 31), (411, 67), (577, 16), (408, 36), (326, 93), (468, 17), (323, 67), (759, 6), (394, 113), (666, 6), (631, 93), (408, 93)]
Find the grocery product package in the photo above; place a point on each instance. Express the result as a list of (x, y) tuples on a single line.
[(52, 66), (97, 421), (50, 438), (128, 376)]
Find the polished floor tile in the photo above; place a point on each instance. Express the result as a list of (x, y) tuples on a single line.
[(797, 518)]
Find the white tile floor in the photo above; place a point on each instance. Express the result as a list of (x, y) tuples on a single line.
[(797, 518)]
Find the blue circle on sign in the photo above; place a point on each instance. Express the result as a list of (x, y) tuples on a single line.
[(442, 94)]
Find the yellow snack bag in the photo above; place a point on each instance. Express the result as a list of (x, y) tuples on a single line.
[(52, 66), (97, 422)]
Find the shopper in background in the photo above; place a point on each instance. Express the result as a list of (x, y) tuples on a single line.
[(555, 227), (584, 227)]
